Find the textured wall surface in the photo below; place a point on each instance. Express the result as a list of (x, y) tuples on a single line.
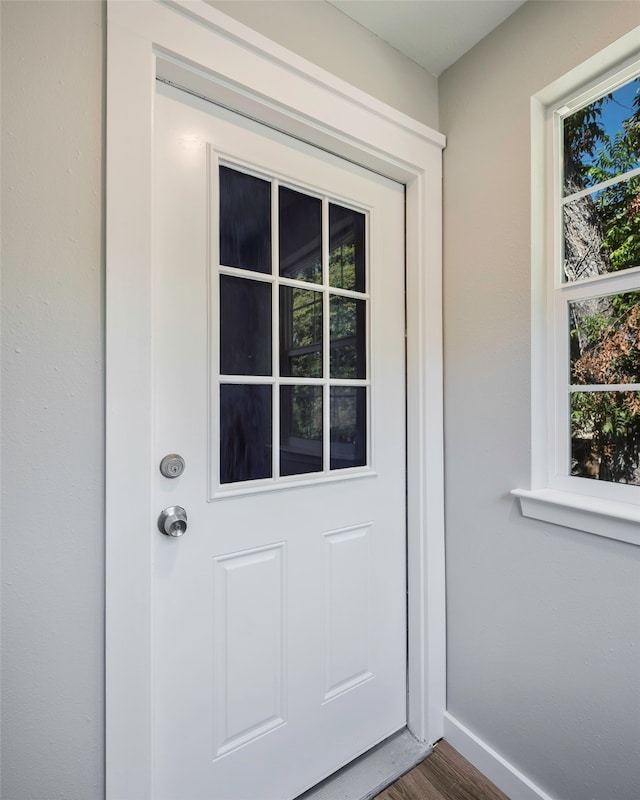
[(320, 33), (543, 621), (52, 388)]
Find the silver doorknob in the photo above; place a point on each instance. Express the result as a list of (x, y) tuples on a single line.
[(173, 521)]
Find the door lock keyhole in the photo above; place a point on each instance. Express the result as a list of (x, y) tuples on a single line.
[(172, 466), (173, 521)]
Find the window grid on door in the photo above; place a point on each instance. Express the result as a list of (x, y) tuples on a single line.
[(318, 389)]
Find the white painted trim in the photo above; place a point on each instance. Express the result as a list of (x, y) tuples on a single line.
[(608, 61), (609, 518), (206, 52), (505, 776), (128, 429)]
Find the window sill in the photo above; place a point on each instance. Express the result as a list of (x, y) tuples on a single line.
[(609, 518)]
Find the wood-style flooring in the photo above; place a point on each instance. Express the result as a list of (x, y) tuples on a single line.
[(444, 775)]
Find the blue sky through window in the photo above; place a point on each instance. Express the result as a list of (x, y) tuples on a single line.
[(619, 107), (608, 115)]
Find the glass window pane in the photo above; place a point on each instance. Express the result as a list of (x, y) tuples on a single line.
[(602, 140), (300, 230), (300, 332), (300, 429), (348, 337), (348, 426), (245, 327), (245, 432), (602, 231), (605, 436), (245, 221), (346, 248), (605, 339)]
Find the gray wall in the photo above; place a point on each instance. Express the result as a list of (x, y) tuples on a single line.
[(319, 32), (52, 406), (52, 382), (543, 621)]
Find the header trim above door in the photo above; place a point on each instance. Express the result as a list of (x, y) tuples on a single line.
[(206, 52)]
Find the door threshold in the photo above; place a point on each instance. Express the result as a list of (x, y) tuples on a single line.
[(376, 769)]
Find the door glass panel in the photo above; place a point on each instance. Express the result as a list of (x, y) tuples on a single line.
[(348, 426), (245, 221), (245, 432), (300, 235), (320, 315), (348, 340), (245, 326), (300, 332), (346, 248), (300, 429)]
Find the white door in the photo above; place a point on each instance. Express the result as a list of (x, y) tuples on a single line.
[(278, 334)]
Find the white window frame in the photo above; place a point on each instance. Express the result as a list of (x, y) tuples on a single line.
[(597, 507)]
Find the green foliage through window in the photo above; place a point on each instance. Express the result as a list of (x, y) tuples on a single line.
[(601, 236)]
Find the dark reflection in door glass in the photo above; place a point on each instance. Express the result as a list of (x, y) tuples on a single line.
[(348, 413), (245, 432), (300, 333), (300, 232), (348, 340), (245, 326), (245, 221), (346, 248), (300, 429)]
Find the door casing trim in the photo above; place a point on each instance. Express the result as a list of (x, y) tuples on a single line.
[(205, 51)]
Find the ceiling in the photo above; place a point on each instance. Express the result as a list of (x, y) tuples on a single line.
[(433, 33)]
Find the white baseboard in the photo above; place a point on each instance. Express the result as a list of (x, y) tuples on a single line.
[(505, 776)]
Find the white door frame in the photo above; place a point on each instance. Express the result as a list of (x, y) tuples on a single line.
[(205, 51)]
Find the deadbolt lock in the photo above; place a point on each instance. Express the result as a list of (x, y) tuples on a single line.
[(172, 466)]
